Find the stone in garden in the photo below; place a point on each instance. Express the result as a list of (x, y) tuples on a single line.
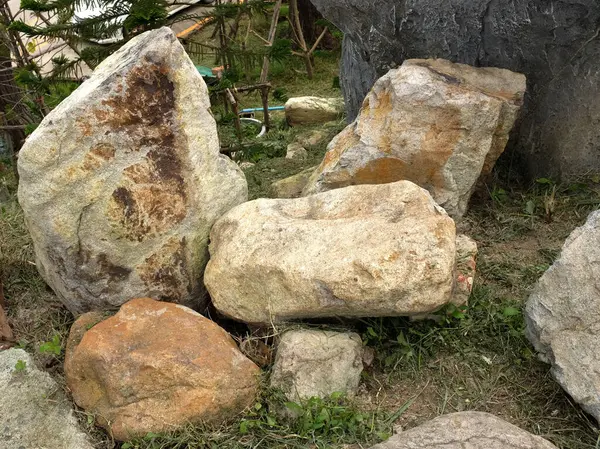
[(121, 183), (34, 412), (156, 367), (296, 151), (466, 430), (369, 250), (312, 139), (466, 264), (437, 124), (246, 165), (553, 43), (313, 110), (563, 316), (292, 186), (316, 363)]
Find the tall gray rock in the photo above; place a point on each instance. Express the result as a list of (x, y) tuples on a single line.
[(563, 316), (555, 44), (122, 182)]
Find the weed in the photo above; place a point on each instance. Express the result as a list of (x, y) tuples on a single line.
[(276, 423), (20, 366), (52, 347)]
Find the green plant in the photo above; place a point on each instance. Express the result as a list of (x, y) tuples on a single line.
[(20, 366), (52, 347)]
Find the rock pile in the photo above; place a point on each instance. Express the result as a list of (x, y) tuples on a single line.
[(121, 183), (155, 367), (563, 316), (437, 124)]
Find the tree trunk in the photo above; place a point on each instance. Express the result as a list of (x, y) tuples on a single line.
[(14, 115), (309, 15)]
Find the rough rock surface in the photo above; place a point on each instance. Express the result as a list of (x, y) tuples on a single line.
[(466, 430), (292, 186), (466, 265), (121, 183), (313, 138), (370, 250), (563, 316), (438, 124), (311, 110), (555, 44), (316, 363), (156, 366), (296, 151), (33, 410)]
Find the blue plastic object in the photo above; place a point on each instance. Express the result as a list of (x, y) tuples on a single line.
[(271, 108)]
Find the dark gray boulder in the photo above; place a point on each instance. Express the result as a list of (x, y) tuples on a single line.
[(556, 44)]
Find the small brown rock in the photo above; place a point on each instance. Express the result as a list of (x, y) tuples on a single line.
[(154, 367)]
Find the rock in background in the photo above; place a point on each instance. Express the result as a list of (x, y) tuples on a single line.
[(292, 186), (466, 430), (555, 44), (156, 367), (316, 363), (121, 183), (33, 410), (370, 250), (437, 124), (563, 316), (313, 110)]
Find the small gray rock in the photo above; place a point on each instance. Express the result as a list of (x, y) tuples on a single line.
[(34, 414), (466, 430), (563, 316), (317, 363), (296, 151)]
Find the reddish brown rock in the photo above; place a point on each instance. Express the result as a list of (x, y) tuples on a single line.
[(154, 367)]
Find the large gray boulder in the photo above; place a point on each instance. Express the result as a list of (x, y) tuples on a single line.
[(466, 430), (438, 124), (366, 250), (563, 316), (317, 363), (121, 183), (555, 44), (34, 413)]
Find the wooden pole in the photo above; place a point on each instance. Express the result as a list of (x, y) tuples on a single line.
[(297, 27), (236, 120), (264, 74)]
